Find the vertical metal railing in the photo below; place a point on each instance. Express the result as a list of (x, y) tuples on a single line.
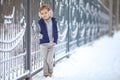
[(28, 39)]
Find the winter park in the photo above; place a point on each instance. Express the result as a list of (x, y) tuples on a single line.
[(59, 40)]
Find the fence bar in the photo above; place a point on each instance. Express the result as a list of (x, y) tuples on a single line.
[(110, 26), (118, 1), (28, 38)]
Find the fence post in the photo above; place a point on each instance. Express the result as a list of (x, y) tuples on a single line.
[(68, 26), (68, 33), (118, 15), (28, 39), (111, 16)]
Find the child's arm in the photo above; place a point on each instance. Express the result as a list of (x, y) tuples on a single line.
[(38, 30)]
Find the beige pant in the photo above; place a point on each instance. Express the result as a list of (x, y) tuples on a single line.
[(48, 53)]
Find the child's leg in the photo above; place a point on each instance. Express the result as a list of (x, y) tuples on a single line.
[(50, 61), (45, 64)]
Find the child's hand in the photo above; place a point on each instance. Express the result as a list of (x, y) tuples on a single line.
[(40, 36), (54, 44)]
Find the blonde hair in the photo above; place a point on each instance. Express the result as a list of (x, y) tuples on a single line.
[(46, 6)]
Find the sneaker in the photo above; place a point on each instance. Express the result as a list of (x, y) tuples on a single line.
[(50, 74), (46, 75)]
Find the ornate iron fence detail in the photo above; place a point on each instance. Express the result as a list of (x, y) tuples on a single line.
[(12, 32)]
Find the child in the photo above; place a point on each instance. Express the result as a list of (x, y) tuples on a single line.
[(49, 36)]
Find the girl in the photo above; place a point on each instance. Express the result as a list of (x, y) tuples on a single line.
[(49, 37)]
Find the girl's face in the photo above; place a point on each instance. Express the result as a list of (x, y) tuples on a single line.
[(45, 14)]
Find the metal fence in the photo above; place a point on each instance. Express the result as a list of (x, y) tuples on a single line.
[(79, 22)]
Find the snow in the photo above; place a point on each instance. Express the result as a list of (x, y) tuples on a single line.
[(98, 61)]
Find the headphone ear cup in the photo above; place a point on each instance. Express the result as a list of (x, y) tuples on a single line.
[(51, 13), (39, 14)]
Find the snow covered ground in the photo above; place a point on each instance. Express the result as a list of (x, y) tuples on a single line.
[(99, 61)]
